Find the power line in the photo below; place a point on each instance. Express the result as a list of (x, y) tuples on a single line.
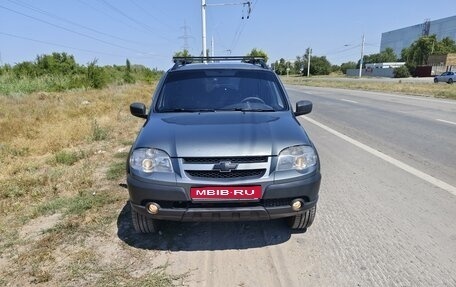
[(242, 24), (343, 50), (139, 23), (58, 45), (109, 15), (17, 2), (150, 15), (69, 30)]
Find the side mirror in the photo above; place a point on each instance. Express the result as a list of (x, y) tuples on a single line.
[(303, 108), (138, 110)]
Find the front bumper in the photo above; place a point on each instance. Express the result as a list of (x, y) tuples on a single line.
[(176, 204)]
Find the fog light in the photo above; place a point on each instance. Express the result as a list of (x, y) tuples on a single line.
[(153, 208), (296, 204)]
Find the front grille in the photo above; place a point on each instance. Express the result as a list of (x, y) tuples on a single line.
[(215, 160), (249, 173)]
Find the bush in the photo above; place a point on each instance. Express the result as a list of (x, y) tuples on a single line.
[(401, 72), (96, 76)]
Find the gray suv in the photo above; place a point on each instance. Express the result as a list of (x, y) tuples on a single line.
[(222, 143)]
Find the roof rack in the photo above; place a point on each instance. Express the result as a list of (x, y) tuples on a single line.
[(182, 61)]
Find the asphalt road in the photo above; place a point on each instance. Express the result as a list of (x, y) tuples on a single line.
[(386, 215), (418, 131)]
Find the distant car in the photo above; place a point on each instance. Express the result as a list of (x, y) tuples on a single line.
[(447, 77)]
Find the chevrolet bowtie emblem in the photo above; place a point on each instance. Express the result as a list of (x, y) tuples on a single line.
[(225, 166)]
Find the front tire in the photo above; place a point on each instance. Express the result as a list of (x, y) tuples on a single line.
[(436, 80), (303, 220), (143, 224)]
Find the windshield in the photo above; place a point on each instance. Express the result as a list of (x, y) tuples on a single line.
[(213, 90)]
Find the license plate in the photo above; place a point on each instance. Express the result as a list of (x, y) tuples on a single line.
[(225, 193)]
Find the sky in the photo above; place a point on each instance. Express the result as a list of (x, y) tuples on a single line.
[(149, 32)]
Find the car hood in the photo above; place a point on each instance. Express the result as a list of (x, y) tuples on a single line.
[(222, 134)]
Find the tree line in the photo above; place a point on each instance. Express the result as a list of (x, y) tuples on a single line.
[(417, 54)]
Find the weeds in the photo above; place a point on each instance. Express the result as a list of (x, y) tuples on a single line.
[(68, 158), (73, 205), (116, 171), (56, 158), (41, 276), (98, 133), (6, 150), (157, 278)]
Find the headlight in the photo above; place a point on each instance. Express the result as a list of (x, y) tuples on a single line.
[(297, 157), (150, 160)]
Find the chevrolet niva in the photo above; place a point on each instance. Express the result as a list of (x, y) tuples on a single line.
[(222, 143)]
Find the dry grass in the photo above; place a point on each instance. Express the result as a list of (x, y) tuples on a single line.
[(63, 156), (395, 86)]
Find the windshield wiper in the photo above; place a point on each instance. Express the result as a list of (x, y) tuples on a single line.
[(181, 110), (248, 110), (259, 110)]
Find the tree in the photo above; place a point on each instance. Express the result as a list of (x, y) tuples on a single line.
[(280, 67), (418, 53), (56, 64), (384, 56), (445, 46), (258, 53), (298, 66), (183, 53), (348, 65), (318, 66), (96, 76), (127, 77), (25, 69), (335, 69)]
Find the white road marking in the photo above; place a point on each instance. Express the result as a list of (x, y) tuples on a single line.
[(424, 176), (349, 101), (444, 121)]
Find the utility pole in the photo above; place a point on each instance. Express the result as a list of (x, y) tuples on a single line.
[(309, 55), (212, 47), (362, 56), (203, 20)]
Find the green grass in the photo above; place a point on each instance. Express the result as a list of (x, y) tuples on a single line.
[(68, 158), (121, 155), (116, 171), (6, 150), (73, 205)]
